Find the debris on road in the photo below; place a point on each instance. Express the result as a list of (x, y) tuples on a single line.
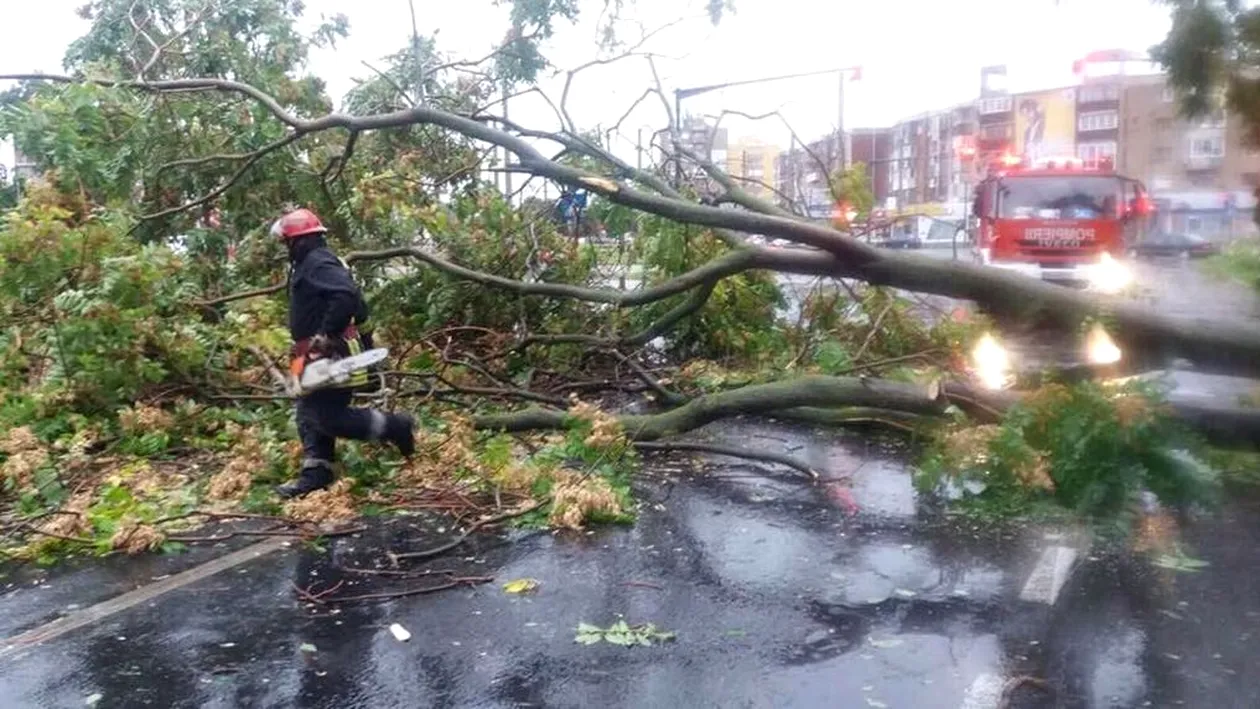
[(519, 586), (621, 633), (400, 633)]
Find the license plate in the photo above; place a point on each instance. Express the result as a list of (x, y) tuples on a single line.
[(1058, 242), (1059, 237)]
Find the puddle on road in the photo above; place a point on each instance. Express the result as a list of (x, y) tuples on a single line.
[(1118, 679), (751, 551), (919, 670), (884, 488)]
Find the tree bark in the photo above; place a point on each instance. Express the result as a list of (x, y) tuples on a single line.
[(851, 400), (811, 391)]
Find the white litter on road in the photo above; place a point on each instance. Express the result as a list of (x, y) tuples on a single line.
[(1049, 575), (401, 634)]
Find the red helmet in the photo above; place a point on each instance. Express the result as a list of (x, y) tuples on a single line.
[(299, 222)]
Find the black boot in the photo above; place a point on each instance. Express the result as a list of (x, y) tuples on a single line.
[(308, 481), (400, 430)]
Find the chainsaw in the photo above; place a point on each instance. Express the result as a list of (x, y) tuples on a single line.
[(330, 372)]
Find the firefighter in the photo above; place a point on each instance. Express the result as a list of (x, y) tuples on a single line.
[(326, 312)]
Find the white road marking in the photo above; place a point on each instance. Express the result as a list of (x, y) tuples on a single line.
[(985, 692), (81, 618), (1049, 575)]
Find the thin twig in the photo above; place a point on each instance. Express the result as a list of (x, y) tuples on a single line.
[(870, 336), (733, 451), (390, 595), (54, 535), (436, 551), (307, 595), (643, 584)]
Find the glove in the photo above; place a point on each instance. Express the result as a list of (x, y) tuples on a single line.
[(322, 345)]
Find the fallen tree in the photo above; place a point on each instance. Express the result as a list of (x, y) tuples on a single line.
[(1211, 347), (157, 308)]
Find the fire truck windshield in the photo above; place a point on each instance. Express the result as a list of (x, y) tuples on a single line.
[(1058, 197)]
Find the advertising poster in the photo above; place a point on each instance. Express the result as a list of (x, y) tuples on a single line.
[(1045, 124)]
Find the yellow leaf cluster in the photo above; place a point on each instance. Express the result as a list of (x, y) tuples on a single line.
[(26, 454), (143, 418), (334, 504), (134, 537), (248, 455), (577, 497)]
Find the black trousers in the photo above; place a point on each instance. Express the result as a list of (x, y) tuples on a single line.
[(324, 416)]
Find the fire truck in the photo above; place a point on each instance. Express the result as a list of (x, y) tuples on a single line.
[(1059, 220)]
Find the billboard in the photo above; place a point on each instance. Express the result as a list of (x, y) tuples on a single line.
[(1045, 124)]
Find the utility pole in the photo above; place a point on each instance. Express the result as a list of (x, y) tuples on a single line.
[(677, 133), (507, 156), (841, 145)]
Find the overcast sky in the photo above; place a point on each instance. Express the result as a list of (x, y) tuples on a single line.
[(917, 55)]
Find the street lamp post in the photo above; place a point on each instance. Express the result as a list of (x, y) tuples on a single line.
[(680, 94)]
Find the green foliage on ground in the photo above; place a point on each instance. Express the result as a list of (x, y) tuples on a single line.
[(1091, 449), (1240, 261)]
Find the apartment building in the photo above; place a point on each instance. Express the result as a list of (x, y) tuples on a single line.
[(1098, 121), (801, 175), (873, 148), (995, 127), (928, 163), (1200, 172)]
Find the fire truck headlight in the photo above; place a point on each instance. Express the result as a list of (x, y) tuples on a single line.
[(1100, 348), (1110, 276), (991, 363)]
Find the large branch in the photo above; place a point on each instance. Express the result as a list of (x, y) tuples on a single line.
[(677, 314), (709, 273), (847, 401), (754, 399), (1211, 346)]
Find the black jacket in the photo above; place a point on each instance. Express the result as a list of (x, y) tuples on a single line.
[(323, 297)]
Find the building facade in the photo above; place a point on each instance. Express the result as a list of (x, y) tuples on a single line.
[(930, 162), (872, 147), (1201, 173), (700, 138), (802, 175), (752, 163), (1098, 105)]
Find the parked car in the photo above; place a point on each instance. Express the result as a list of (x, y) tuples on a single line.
[(1171, 244), (902, 241)]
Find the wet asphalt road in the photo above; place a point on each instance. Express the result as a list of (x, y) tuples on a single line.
[(784, 593)]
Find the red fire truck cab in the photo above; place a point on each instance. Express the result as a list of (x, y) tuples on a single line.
[(1059, 220)]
